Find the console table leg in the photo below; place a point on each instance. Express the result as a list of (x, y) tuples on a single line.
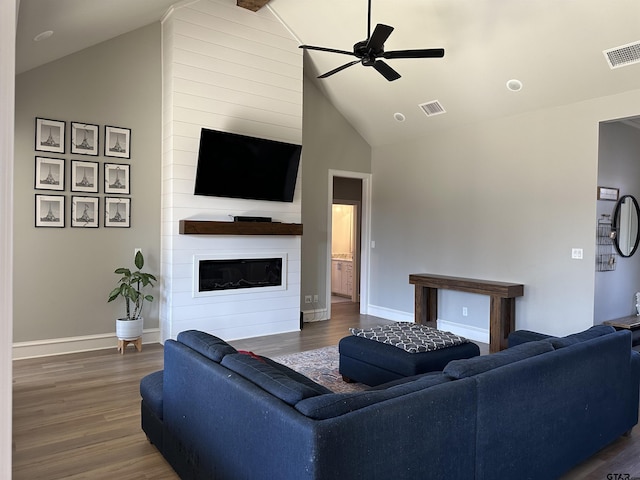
[(426, 306), (502, 315)]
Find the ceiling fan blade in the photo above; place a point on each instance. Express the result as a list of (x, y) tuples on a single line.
[(340, 68), (423, 53), (324, 49), (386, 71), (378, 37)]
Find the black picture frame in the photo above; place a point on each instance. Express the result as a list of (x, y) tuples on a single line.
[(84, 138), (117, 142), (49, 173), (84, 176), (117, 212), (85, 211), (117, 178), (50, 135), (49, 211)]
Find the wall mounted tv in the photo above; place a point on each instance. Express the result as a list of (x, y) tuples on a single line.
[(238, 166)]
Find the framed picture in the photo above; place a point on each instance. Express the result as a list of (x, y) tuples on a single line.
[(116, 178), (50, 211), (608, 193), (49, 135), (84, 138), (49, 174), (84, 212), (84, 176), (117, 212), (117, 142)]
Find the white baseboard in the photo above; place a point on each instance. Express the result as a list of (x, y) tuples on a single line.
[(59, 346), (468, 331), (317, 315), (389, 314)]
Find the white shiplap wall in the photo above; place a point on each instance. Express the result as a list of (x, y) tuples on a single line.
[(230, 69)]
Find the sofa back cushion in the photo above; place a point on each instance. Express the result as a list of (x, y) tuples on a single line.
[(275, 380), (473, 366), (210, 346), (593, 332), (336, 404)]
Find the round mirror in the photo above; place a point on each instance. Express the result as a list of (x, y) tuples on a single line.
[(625, 223)]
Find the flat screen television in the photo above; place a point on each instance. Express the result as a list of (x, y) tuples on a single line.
[(239, 166)]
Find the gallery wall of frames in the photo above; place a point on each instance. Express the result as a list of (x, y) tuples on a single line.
[(69, 182)]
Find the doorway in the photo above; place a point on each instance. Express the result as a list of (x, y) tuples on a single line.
[(345, 251), (348, 255)]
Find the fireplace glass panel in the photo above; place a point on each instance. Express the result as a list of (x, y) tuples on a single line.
[(239, 273)]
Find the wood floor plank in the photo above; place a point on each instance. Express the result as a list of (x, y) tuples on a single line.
[(77, 416)]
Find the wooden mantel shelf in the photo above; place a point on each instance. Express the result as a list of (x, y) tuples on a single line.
[(206, 227)]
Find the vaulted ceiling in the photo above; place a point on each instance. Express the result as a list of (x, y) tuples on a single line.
[(554, 47)]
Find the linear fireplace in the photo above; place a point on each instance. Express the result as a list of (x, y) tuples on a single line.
[(236, 273)]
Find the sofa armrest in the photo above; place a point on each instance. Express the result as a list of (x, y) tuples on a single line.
[(524, 336)]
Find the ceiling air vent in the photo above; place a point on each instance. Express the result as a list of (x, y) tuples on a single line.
[(432, 108), (624, 55)]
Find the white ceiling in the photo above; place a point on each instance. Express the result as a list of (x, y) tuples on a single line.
[(553, 46)]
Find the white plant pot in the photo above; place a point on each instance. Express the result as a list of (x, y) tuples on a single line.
[(129, 329)]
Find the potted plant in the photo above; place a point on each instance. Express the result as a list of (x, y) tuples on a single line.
[(130, 288)]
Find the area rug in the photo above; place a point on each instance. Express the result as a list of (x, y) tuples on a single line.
[(321, 366)]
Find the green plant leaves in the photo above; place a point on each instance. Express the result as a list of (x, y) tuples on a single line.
[(130, 286)]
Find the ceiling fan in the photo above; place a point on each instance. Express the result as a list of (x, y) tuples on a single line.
[(370, 50)]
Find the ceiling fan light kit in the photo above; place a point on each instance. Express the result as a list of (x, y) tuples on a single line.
[(369, 52)]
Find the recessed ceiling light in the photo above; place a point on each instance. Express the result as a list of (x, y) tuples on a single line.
[(43, 36), (514, 85), (399, 117)]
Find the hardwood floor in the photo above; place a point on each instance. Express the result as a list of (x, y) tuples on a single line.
[(77, 416)]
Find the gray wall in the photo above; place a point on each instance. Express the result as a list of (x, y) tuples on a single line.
[(329, 142), (63, 276), (618, 167), (503, 200)]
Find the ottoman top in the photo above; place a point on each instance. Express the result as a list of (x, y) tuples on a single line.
[(410, 337)]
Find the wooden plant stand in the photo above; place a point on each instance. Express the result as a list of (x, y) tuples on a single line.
[(122, 344)]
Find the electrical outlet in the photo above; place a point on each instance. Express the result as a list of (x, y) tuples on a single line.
[(307, 299), (465, 311), (315, 299), (576, 253)]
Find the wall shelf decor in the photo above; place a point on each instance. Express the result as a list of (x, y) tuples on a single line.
[(606, 258)]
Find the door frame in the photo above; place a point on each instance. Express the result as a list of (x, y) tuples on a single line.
[(365, 241)]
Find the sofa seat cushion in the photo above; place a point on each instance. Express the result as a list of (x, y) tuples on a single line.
[(333, 405), (151, 392), (473, 366), (593, 332), (210, 346), (280, 381)]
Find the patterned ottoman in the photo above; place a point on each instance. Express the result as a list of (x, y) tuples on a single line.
[(382, 354)]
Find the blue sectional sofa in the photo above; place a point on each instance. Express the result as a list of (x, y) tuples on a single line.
[(532, 411)]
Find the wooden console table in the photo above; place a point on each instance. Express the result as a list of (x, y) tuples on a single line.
[(502, 310)]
